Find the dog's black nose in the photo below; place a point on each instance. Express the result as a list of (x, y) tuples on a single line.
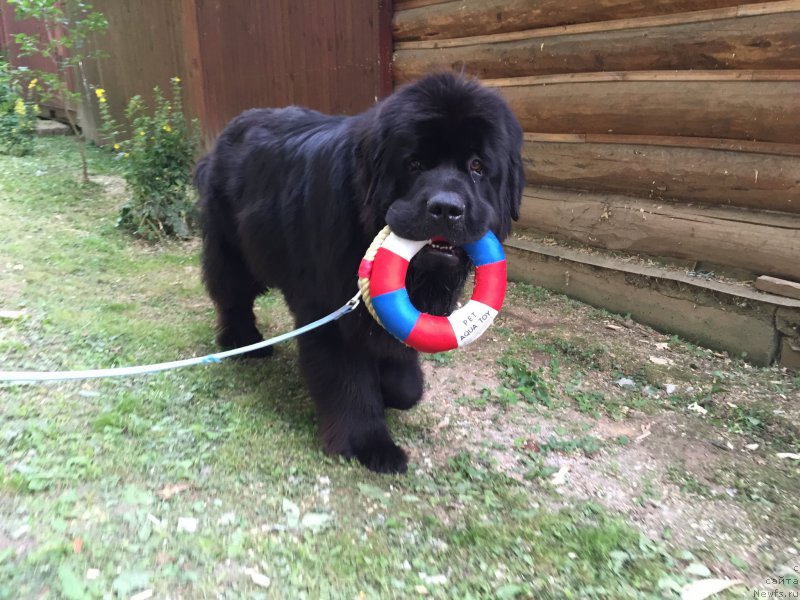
[(445, 207)]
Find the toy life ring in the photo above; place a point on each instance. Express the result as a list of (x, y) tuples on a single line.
[(382, 281)]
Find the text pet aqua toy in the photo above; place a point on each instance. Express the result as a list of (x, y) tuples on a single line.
[(382, 280)]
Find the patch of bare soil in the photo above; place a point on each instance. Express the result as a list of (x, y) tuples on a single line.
[(691, 446)]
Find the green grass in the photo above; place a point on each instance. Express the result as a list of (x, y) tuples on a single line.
[(96, 475)]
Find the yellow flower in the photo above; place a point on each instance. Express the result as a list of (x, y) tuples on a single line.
[(33, 83), (141, 133), (19, 107), (116, 146), (101, 94), (176, 79), (167, 128)]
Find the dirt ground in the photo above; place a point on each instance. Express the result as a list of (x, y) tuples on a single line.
[(690, 445)]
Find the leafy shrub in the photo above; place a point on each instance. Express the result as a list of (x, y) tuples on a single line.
[(157, 159), (17, 115)]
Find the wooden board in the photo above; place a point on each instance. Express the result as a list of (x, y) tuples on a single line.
[(667, 172), (435, 19), (781, 287), (728, 104), (761, 243), (714, 318), (755, 42)]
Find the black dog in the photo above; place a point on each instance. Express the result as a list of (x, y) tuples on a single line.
[(291, 198)]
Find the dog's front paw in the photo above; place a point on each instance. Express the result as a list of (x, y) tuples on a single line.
[(228, 340), (382, 456)]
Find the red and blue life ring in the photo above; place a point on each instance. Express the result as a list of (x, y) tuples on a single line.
[(384, 276)]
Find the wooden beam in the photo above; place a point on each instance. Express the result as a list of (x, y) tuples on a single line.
[(770, 41), (748, 105), (438, 20), (668, 141), (400, 5), (719, 316), (693, 75), (666, 172), (780, 287), (761, 243)]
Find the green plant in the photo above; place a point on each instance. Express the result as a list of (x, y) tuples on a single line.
[(63, 40), (528, 383), (17, 115), (589, 402), (157, 163)]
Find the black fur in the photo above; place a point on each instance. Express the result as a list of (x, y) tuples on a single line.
[(291, 198)]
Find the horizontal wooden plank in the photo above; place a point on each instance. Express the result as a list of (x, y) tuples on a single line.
[(436, 20), (763, 244), (723, 177), (780, 287), (681, 105), (400, 5), (769, 41), (657, 76), (668, 141), (712, 314)]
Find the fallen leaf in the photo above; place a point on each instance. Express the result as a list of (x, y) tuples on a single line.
[(791, 455), (292, 512), (613, 327), (442, 424), (173, 489), (187, 524), (531, 446), (258, 578), (560, 478), (698, 569), (694, 406), (77, 545), (12, 315), (752, 446), (645, 432), (315, 521), (705, 588), (143, 595), (657, 360)]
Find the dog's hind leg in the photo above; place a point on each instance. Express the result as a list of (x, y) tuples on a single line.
[(233, 289)]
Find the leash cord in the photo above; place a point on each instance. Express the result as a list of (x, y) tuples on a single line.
[(34, 376)]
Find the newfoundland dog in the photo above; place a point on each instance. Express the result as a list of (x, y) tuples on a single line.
[(291, 198)]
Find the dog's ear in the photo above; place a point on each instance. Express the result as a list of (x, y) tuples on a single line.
[(369, 168), (513, 179)]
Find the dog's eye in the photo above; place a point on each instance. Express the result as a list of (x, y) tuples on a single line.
[(476, 166), (414, 165)]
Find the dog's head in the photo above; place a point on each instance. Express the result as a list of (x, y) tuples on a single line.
[(441, 161)]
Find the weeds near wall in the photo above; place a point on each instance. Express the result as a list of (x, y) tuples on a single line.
[(157, 156), (17, 115)]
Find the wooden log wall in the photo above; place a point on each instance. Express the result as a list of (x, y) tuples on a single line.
[(661, 127)]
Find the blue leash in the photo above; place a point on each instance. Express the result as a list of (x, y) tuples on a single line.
[(32, 376)]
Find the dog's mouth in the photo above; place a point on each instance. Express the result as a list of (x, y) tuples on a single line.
[(441, 245), (439, 253)]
